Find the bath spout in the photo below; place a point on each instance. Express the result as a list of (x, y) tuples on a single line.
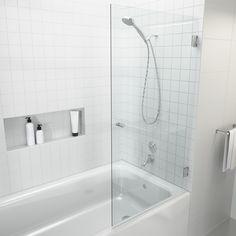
[(149, 160)]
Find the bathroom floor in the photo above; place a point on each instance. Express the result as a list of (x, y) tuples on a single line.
[(226, 229)]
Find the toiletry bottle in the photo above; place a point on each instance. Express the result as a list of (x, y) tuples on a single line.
[(74, 116), (39, 134), (30, 137)]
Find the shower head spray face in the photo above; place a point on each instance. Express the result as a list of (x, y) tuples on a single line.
[(128, 21)]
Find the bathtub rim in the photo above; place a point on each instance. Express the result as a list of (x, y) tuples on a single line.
[(149, 177), (144, 214), (30, 192)]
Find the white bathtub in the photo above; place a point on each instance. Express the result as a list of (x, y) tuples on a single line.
[(135, 191), (80, 205), (58, 206)]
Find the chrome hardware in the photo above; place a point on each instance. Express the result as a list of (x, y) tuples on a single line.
[(149, 160), (144, 186), (152, 147), (195, 41), (153, 36), (225, 132), (186, 172), (226, 156), (121, 125)]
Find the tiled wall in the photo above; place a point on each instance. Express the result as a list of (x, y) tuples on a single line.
[(54, 55), (41, 164), (178, 66), (46, 51)]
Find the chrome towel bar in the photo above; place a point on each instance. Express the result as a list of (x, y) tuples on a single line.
[(226, 132)]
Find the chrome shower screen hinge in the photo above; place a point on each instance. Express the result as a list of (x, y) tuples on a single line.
[(195, 41), (185, 172)]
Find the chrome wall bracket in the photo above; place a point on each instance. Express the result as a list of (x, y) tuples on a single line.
[(195, 41), (186, 172), (119, 124)]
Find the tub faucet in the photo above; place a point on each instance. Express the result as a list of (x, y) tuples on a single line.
[(149, 160)]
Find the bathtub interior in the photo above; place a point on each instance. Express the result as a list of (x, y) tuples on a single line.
[(76, 199), (135, 191)]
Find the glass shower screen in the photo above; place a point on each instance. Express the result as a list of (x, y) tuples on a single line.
[(154, 73)]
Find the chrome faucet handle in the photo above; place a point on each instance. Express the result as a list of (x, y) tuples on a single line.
[(152, 147)]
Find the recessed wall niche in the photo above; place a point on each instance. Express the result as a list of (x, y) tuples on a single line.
[(56, 126)]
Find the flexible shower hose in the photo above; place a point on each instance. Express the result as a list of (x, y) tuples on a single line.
[(145, 85)]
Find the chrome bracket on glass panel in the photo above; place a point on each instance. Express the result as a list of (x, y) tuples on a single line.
[(195, 41), (119, 124), (186, 172)]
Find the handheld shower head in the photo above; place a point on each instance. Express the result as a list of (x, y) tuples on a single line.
[(130, 22)]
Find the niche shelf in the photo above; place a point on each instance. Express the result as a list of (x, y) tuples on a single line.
[(56, 127)]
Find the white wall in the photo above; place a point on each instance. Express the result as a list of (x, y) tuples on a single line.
[(233, 207), (212, 189), (233, 76)]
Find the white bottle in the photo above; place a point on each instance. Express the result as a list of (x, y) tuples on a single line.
[(74, 116), (30, 137), (39, 134)]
